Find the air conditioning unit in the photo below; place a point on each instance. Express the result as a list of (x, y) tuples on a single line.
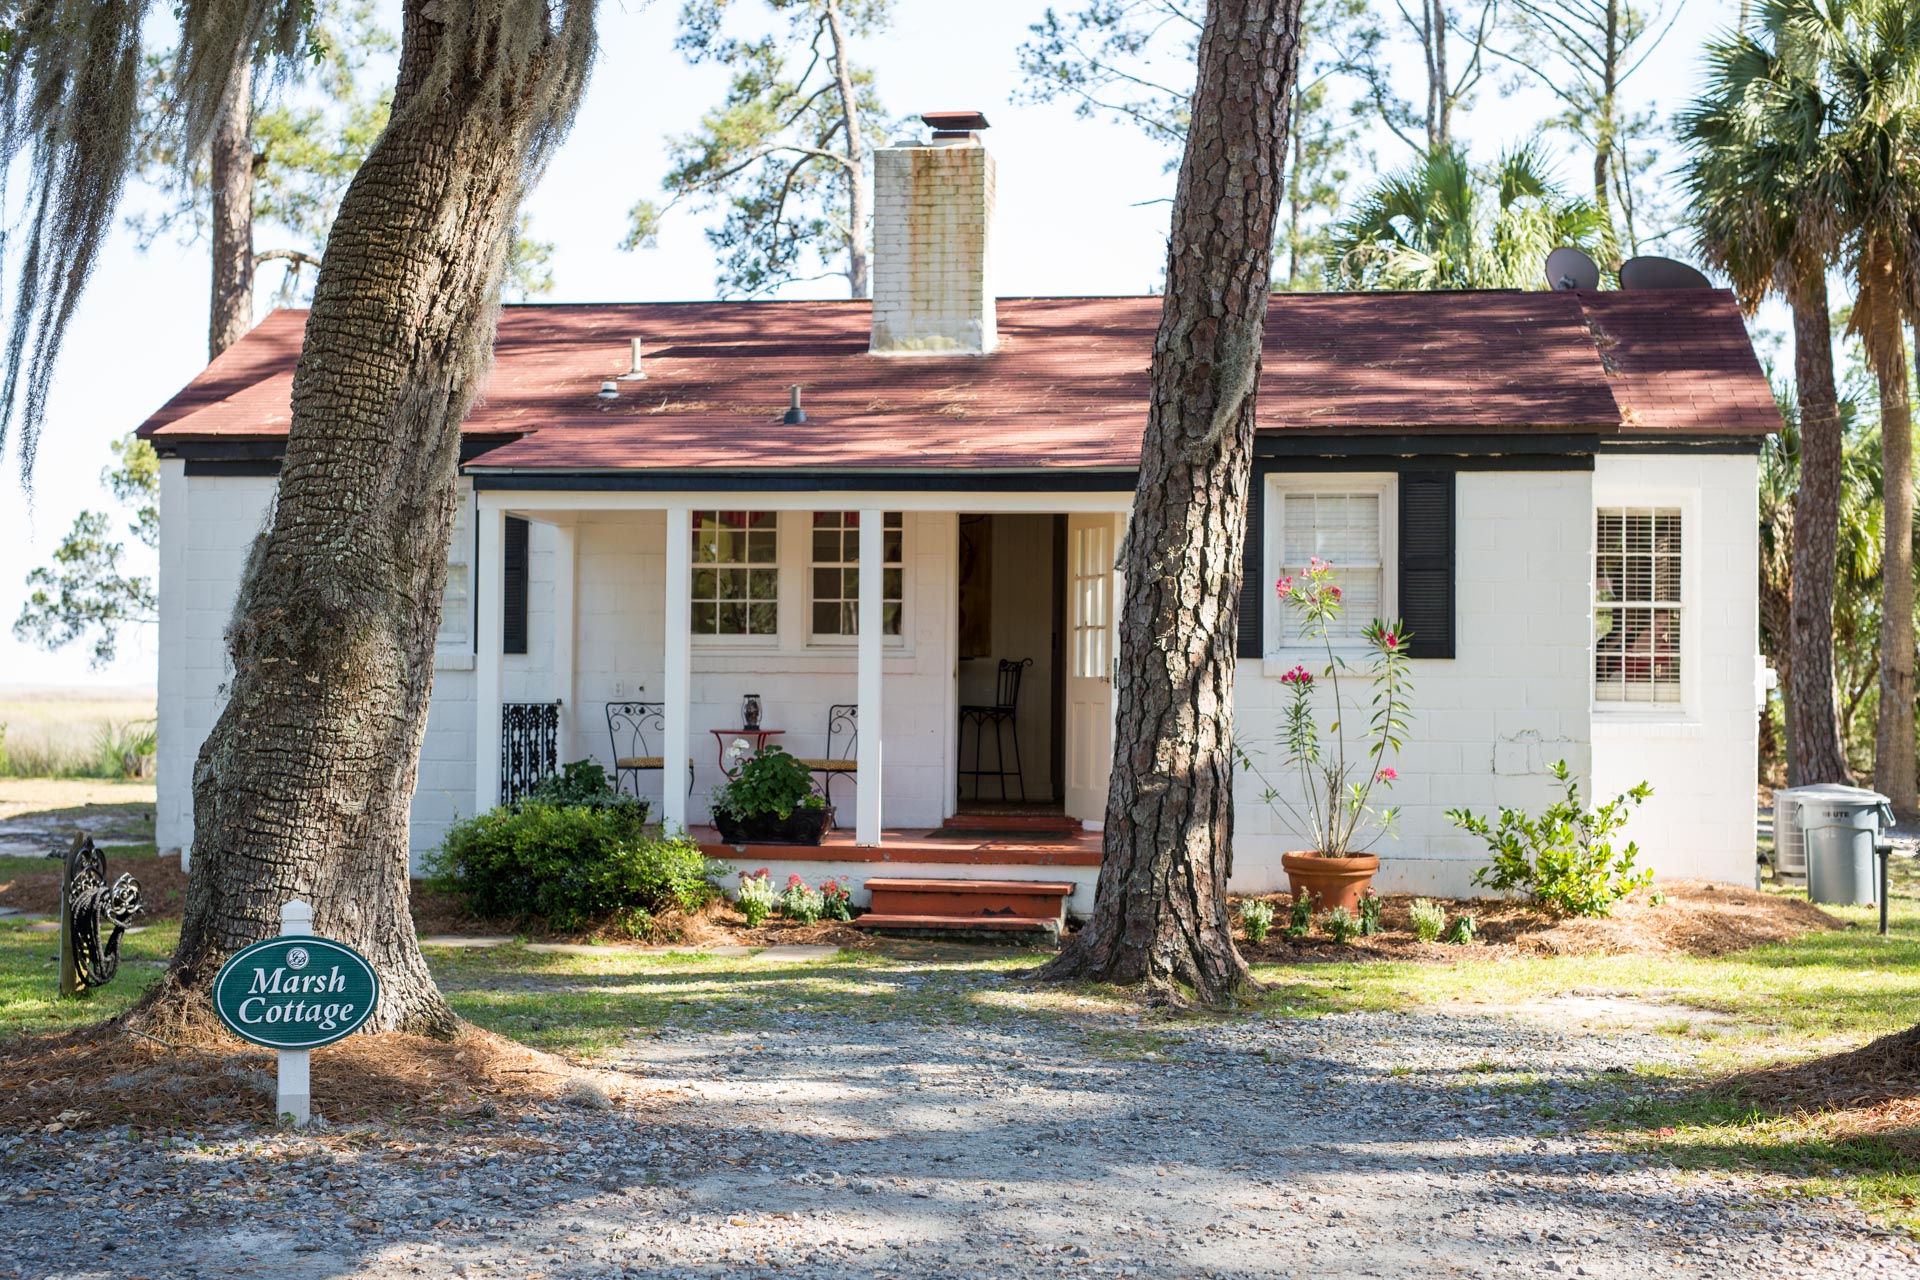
[(1789, 841)]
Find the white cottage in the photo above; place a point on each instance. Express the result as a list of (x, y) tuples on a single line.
[(874, 516)]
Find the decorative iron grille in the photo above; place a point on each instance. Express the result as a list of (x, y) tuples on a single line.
[(529, 746)]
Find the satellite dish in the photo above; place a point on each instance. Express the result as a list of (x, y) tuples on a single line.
[(1660, 273), (1571, 269)]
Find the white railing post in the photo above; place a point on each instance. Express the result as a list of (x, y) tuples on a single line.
[(296, 1088), (872, 642), (489, 629), (677, 684)]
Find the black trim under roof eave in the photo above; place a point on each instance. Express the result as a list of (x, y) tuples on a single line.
[(891, 479), (1734, 446), (258, 450)]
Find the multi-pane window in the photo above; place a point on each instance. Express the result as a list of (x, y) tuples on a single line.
[(736, 575), (836, 573), (1092, 601), (1636, 613), (1342, 528)]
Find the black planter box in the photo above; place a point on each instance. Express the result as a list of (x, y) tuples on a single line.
[(802, 826)]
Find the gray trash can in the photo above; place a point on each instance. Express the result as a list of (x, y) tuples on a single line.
[(1841, 824)]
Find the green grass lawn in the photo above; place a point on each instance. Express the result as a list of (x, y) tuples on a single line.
[(1820, 993)]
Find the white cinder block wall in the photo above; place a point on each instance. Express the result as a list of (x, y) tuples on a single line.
[(1702, 757), (1486, 724)]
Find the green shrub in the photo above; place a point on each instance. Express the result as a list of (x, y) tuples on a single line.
[(769, 783), (1462, 931), (1257, 916), (1340, 925), (1564, 859), (571, 866), (583, 782), (1429, 918), (124, 750), (756, 898)]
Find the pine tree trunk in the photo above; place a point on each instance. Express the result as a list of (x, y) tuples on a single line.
[(859, 198), (1160, 914), (231, 187), (1815, 752), (302, 788), (1893, 761)]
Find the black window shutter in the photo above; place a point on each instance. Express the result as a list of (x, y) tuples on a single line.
[(513, 567), (1253, 568), (1426, 562)]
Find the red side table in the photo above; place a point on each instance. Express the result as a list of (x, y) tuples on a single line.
[(724, 738)]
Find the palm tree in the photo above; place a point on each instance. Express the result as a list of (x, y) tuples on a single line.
[(1763, 215), (1442, 224), (1870, 57)]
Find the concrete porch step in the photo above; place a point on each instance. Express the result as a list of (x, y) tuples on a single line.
[(974, 900)]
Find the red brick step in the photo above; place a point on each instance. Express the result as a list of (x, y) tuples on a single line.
[(971, 900)]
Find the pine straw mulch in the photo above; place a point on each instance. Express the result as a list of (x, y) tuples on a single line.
[(163, 886), (1871, 1093), (1697, 918), (191, 1073)]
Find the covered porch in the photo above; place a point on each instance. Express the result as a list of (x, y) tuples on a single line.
[(870, 624)]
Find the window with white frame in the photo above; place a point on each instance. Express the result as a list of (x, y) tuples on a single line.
[(1636, 610), (836, 573), (1092, 597), (1345, 521), (736, 574)]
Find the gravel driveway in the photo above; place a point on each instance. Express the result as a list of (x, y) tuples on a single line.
[(830, 1146)]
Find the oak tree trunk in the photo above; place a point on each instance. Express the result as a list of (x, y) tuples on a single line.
[(1815, 751), (231, 187), (302, 788), (1160, 914)]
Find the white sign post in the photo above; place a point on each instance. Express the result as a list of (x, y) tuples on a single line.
[(296, 1089)]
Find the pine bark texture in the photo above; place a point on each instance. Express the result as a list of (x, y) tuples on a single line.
[(230, 165), (1161, 916), (1883, 331), (1815, 752), (303, 787)]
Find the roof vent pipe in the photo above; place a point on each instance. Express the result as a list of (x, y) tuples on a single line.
[(635, 373), (795, 415), (609, 390)]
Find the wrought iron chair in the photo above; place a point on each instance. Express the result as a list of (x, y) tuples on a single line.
[(1004, 711), (843, 740), (629, 726)]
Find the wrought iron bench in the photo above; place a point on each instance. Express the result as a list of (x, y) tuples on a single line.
[(843, 741), (629, 725)]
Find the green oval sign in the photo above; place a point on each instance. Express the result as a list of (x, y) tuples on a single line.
[(295, 992)]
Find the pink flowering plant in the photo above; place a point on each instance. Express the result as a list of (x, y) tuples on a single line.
[(1341, 784)]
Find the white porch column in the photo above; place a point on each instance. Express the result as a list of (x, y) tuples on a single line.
[(564, 578), (678, 677), (489, 622), (872, 641)]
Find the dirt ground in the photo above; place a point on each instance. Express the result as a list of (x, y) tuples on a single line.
[(1697, 917)]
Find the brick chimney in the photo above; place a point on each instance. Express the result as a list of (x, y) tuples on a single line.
[(933, 242)]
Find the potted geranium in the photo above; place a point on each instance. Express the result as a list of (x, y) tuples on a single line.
[(1336, 805), (770, 799)]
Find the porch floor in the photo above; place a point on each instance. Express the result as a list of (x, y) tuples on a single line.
[(921, 845)]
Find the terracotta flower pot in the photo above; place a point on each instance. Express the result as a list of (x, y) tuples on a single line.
[(1334, 882)]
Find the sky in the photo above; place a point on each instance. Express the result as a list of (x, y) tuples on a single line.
[(1082, 210)]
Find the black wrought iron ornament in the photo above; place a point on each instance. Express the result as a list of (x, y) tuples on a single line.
[(93, 907), (529, 746)]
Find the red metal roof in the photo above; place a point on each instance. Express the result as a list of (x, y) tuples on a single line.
[(1066, 389)]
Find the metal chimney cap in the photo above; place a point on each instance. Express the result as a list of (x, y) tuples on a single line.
[(954, 121)]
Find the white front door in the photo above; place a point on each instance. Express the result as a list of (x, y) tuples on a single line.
[(1091, 593)]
